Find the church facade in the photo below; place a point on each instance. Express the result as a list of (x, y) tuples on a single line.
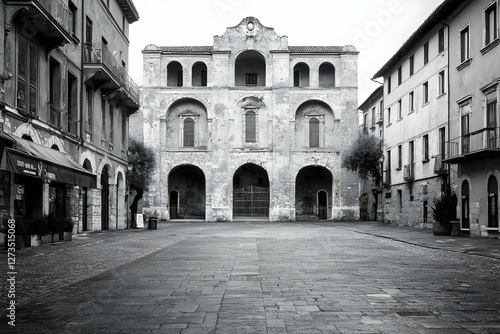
[(250, 128)]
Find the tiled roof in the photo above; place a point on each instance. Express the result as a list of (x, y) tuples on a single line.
[(321, 49), (293, 49), (187, 49)]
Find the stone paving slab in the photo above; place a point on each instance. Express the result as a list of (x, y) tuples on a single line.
[(259, 278)]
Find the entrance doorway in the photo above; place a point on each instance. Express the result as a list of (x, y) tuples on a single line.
[(465, 206), (186, 186), (492, 202), (174, 204), (250, 192), (313, 193), (104, 200), (322, 204)]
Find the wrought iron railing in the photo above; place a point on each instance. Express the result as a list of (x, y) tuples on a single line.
[(483, 139), (98, 53), (59, 11), (439, 167)]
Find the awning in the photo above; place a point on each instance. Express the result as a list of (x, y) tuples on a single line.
[(28, 158)]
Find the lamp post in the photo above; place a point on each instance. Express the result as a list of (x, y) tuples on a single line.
[(381, 160)]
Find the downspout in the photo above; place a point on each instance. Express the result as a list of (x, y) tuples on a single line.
[(82, 122)]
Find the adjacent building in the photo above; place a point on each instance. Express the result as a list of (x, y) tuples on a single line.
[(65, 100), (250, 127), (441, 116)]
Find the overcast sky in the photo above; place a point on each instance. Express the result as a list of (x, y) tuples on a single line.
[(377, 28)]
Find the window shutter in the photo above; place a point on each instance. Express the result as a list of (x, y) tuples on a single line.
[(33, 78), (21, 73)]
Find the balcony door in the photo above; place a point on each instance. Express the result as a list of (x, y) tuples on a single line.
[(491, 121)]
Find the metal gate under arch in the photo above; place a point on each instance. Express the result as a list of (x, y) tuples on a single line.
[(251, 201)]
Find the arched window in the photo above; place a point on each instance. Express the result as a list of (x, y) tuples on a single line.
[(250, 69), (314, 132), (199, 75), (327, 75), (492, 202), (251, 127), (188, 132), (301, 75), (174, 74)]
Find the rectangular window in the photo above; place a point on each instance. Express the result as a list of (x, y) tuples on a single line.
[(27, 76), (491, 123), (490, 24), (313, 132), (365, 123), (465, 134), (464, 44), (411, 102), (188, 132), (442, 142), (388, 116), (411, 152), (388, 84), (412, 64), (425, 92), (72, 17), (251, 127), (251, 79), (426, 53), (400, 75), (89, 98), (124, 130), (425, 148), (400, 201), (441, 83), (381, 111), (111, 122), (400, 157), (388, 168), (55, 92), (373, 116), (103, 119), (441, 40), (72, 104), (400, 107)]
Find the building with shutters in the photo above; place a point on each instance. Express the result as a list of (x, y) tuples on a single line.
[(250, 127), (65, 100)]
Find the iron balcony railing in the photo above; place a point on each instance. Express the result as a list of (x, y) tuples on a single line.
[(98, 53), (480, 140), (439, 167)]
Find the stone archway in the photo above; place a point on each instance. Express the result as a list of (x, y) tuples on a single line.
[(250, 192), (187, 184), (313, 193)]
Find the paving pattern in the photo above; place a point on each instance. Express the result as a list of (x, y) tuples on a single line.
[(256, 277)]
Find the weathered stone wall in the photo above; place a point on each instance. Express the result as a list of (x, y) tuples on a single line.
[(282, 113)]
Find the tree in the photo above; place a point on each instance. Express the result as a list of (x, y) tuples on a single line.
[(143, 160), (362, 157)]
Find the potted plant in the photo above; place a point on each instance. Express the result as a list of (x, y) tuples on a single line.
[(53, 227), (444, 211), (32, 238), (66, 225)]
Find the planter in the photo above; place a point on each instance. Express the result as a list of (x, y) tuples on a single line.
[(32, 240), (50, 238), (441, 228), (67, 236)]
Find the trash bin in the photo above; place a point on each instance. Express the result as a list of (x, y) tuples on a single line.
[(455, 227), (152, 223)]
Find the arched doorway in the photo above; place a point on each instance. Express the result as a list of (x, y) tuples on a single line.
[(250, 69), (250, 192), (492, 201), (465, 206), (105, 199), (313, 193), (174, 205), (186, 187)]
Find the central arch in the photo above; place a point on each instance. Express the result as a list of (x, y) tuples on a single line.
[(186, 189), (313, 193), (250, 192)]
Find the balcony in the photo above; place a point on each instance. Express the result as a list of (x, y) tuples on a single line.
[(101, 68), (409, 172), (48, 20), (386, 181), (476, 145), (380, 118), (439, 166)]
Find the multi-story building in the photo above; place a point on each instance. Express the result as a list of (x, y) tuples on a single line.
[(250, 127), (474, 144), (65, 102), (416, 100)]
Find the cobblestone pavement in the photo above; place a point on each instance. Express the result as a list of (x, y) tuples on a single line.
[(259, 277)]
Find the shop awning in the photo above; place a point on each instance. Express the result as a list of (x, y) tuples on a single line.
[(28, 158)]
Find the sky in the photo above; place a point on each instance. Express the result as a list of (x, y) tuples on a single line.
[(377, 28)]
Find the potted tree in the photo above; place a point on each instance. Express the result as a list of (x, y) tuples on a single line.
[(53, 227), (444, 211), (33, 235), (66, 228)]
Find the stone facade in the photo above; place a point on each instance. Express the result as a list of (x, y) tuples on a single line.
[(250, 128)]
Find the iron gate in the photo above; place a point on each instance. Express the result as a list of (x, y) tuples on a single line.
[(251, 201)]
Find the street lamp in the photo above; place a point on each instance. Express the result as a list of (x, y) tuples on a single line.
[(381, 160)]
